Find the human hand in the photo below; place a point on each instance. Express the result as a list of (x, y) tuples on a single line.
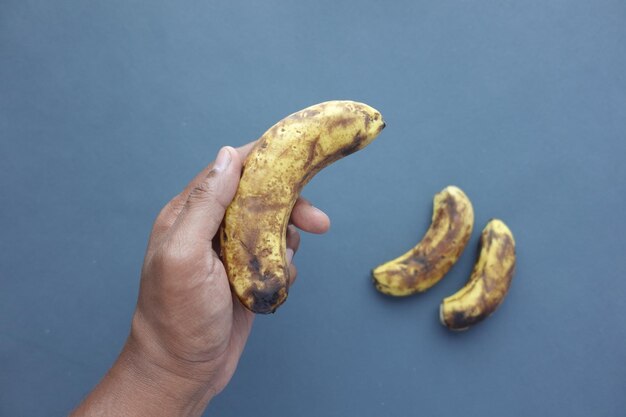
[(186, 318), (189, 330)]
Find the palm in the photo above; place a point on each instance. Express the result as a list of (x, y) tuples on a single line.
[(241, 323), (231, 332)]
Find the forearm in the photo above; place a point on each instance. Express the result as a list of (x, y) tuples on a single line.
[(136, 387)]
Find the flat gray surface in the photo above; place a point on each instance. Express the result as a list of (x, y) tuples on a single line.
[(108, 108)]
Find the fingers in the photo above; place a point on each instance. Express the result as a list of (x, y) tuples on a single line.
[(304, 215), (244, 150), (293, 240), (309, 218), (202, 213), (172, 209), (206, 197), (293, 273)]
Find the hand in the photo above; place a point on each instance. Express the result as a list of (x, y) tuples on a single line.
[(189, 330), (187, 320)]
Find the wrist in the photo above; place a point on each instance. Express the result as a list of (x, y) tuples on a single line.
[(156, 387), (137, 387)]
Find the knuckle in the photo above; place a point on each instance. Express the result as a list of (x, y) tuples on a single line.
[(175, 206), (203, 191), (169, 212)]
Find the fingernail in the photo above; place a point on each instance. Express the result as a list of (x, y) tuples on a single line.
[(317, 210), (223, 159), (289, 255)]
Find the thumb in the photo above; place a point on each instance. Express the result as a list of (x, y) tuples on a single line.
[(204, 209)]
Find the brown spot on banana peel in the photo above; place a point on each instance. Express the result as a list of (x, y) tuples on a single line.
[(286, 157), (425, 264), (489, 282)]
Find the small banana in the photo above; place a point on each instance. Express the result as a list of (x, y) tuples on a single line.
[(425, 264), (489, 282), (284, 159)]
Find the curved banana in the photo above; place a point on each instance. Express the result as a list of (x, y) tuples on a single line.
[(425, 264), (489, 282), (284, 159)]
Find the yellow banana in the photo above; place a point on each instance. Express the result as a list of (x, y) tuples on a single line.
[(284, 159), (425, 264), (489, 282)]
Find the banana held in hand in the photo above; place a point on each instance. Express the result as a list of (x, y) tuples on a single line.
[(489, 282), (425, 264), (285, 158)]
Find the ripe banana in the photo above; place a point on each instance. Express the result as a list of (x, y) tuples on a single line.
[(425, 264), (284, 159), (489, 282)]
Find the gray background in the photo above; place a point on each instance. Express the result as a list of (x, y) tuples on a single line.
[(108, 108)]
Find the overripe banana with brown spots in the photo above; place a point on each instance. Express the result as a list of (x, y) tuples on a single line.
[(284, 159), (425, 264), (489, 282)]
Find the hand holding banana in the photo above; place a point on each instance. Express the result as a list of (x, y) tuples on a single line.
[(188, 331)]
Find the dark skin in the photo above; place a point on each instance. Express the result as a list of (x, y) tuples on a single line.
[(188, 330)]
